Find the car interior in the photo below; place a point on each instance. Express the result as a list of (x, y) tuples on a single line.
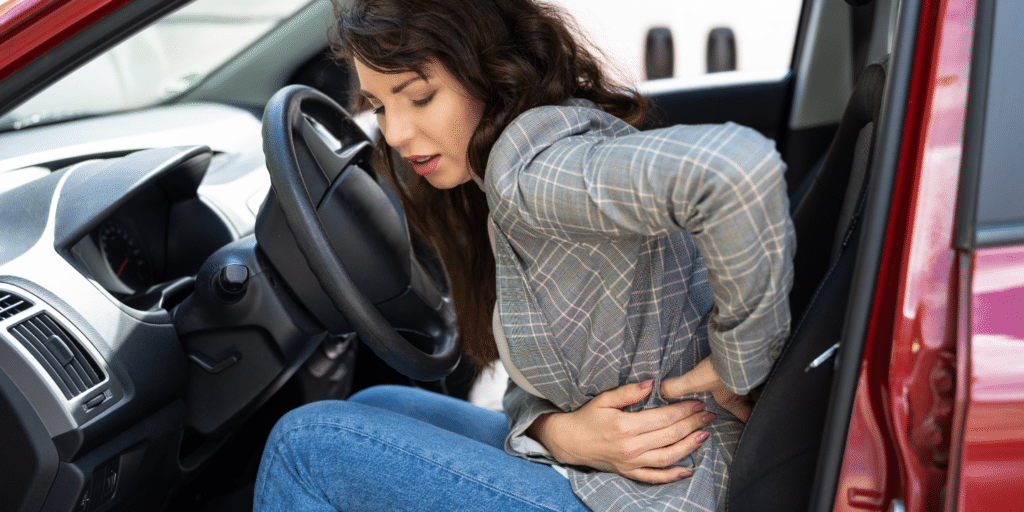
[(166, 292)]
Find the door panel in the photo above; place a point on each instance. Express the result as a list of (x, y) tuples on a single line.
[(758, 103)]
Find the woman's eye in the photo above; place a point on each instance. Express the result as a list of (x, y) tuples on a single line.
[(378, 110), (424, 101)]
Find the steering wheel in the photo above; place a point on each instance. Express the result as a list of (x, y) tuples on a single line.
[(339, 242)]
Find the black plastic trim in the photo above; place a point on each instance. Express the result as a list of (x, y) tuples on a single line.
[(29, 461), (758, 105), (244, 349), (60, 353), (804, 152), (329, 76), (145, 457), (92, 192), (974, 131), (884, 165), (149, 365)]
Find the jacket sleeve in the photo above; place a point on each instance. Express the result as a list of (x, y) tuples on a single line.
[(569, 173), (521, 410)]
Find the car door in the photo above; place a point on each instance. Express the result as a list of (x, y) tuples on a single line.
[(934, 423), (68, 32), (988, 456)]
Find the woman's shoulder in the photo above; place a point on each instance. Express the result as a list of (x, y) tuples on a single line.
[(580, 121), (577, 121), (538, 128), (577, 135), (574, 117), (542, 126)]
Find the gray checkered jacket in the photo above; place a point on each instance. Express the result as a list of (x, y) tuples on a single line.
[(624, 256)]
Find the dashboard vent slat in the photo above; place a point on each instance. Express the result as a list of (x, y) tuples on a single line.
[(59, 353), (11, 304)]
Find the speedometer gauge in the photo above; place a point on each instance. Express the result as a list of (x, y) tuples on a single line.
[(125, 255)]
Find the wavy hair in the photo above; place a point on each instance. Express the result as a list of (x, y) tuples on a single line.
[(513, 55)]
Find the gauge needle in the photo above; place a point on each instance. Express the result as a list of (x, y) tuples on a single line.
[(122, 267)]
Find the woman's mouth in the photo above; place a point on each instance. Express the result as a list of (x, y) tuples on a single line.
[(423, 165)]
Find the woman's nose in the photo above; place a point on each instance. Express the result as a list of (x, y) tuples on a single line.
[(397, 130)]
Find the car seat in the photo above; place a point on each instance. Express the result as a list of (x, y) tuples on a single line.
[(775, 460)]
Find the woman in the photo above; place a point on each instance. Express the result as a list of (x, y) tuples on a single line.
[(599, 262)]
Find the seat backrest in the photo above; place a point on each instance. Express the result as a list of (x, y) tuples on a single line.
[(776, 458), (826, 209)]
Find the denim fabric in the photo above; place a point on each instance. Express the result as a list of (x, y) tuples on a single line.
[(394, 448)]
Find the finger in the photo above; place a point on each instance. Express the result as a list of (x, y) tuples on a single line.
[(701, 378), (624, 395), (663, 457), (652, 420), (738, 405), (671, 436), (657, 476)]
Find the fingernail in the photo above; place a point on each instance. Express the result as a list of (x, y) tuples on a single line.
[(703, 437), (686, 473), (707, 418), (646, 384), (699, 407)]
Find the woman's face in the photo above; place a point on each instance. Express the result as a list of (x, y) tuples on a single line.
[(428, 121)]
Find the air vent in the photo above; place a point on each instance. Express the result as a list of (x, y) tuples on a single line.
[(11, 304), (71, 368)]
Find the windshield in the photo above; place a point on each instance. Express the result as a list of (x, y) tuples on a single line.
[(158, 63)]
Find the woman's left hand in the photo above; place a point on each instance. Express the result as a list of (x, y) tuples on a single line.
[(704, 378)]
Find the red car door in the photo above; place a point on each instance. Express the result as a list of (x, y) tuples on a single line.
[(29, 28), (988, 471), (936, 422)]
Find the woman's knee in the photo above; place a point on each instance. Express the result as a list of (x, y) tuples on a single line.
[(379, 396), (308, 449), (308, 421), (310, 413)]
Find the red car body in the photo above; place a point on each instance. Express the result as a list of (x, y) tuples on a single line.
[(936, 422), (29, 28), (941, 383)]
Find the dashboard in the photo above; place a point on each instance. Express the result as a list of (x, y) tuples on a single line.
[(117, 379), (147, 250)]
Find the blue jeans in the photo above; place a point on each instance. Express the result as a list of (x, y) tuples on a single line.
[(394, 448)]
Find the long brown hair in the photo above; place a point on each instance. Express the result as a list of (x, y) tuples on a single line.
[(513, 55)]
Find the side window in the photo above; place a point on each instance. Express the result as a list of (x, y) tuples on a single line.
[(647, 39), (992, 150)]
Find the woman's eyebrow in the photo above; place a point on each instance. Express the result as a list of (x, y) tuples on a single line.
[(394, 90)]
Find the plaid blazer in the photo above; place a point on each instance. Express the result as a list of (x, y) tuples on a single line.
[(624, 256)]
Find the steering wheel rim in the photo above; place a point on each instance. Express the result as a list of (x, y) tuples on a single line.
[(283, 124)]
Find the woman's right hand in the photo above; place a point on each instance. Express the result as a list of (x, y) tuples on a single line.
[(637, 445)]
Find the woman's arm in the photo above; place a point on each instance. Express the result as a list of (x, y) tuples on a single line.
[(704, 378), (638, 445), (722, 184)]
